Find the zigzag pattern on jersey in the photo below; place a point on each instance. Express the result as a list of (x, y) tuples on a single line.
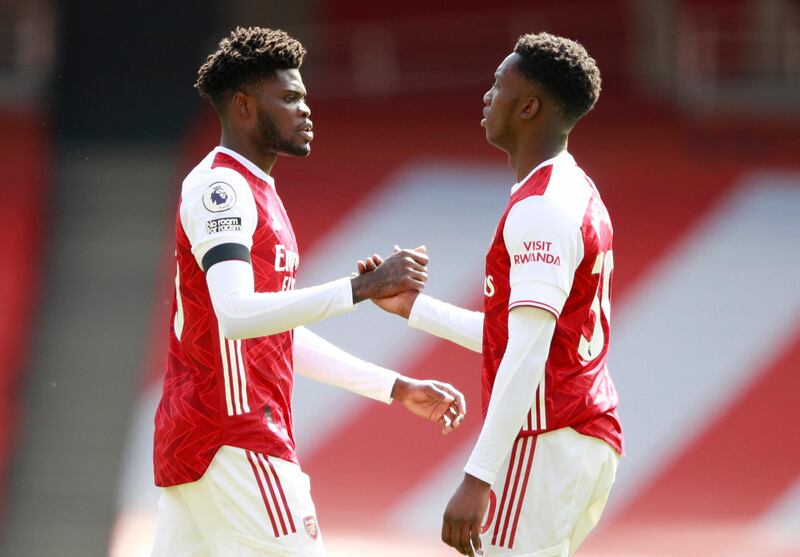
[(567, 376), (203, 403)]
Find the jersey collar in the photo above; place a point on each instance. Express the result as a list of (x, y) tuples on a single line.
[(249, 165), (562, 158)]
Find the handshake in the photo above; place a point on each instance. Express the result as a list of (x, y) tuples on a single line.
[(394, 283)]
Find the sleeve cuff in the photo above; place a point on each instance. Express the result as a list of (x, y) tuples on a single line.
[(420, 312), (481, 473), (542, 295), (391, 378), (345, 295)]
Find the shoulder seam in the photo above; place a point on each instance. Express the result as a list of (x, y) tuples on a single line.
[(209, 178)]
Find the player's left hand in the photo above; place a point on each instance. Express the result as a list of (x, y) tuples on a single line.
[(432, 400), (399, 304), (461, 526)]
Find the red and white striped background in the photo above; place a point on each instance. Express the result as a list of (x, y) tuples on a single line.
[(705, 328)]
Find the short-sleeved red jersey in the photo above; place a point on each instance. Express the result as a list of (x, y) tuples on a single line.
[(560, 260)]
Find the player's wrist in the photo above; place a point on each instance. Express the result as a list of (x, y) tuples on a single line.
[(360, 288), (400, 388), (416, 306), (474, 483), (407, 307)]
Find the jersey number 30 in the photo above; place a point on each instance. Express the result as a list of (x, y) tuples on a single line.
[(590, 348)]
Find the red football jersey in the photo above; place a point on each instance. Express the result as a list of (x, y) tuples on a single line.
[(555, 253), (219, 391)]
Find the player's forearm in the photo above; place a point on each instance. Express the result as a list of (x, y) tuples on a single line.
[(520, 371), (318, 359), (447, 321), (244, 313)]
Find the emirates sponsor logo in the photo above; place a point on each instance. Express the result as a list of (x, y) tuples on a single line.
[(286, 259), (312, 529)]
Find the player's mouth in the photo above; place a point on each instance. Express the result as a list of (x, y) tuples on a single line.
[(485, 116), (307, 130)]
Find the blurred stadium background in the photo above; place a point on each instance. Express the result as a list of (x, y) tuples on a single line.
[(695, 145)]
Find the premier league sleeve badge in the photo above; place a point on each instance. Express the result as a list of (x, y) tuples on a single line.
[(219, 197)]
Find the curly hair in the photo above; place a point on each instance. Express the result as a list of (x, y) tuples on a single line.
[(246, 56), (564, 68)]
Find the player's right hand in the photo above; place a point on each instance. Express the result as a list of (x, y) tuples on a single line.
[(399, 304), (402, 271), (461, 524)]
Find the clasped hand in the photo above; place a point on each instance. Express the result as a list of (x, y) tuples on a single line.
[(405, 274)]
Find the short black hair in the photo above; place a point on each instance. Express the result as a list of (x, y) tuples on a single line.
[(564, 68), (246, 56)]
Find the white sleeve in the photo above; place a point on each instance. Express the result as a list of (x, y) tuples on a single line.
[(320, 360), (447, 321), (545, 248), (218, 209), (530, 331), (244, 313)]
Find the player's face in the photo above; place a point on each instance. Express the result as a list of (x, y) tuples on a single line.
[(282, 115), (502, 103)]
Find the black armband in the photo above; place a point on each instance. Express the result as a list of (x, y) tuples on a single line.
[(225, 252)]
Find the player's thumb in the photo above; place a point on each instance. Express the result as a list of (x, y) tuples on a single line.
[(421, 249)]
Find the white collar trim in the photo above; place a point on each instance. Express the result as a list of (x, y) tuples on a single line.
[(249, 165), (562, 157)]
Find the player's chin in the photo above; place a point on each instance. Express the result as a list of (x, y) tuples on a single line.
[(298, 149), (492, 139)]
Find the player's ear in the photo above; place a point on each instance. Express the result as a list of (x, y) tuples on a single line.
[(242, 104), (530, 108)]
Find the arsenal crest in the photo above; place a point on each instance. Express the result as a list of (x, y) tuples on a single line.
[(310, 522)]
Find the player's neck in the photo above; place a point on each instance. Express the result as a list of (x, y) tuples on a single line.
[(245, 148), (534, 152)]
